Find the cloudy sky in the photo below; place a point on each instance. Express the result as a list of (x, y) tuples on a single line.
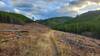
[(41, 9)]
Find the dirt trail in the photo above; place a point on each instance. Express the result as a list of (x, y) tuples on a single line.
[(58, 48), (53, 42)]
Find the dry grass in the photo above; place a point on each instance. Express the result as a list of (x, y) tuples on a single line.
[(42, 41)]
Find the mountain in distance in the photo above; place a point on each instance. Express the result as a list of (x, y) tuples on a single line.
[(86, 24), (56, 19), (34, 39), (54, 22)]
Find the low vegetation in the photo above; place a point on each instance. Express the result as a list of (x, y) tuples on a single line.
[(41, 41)]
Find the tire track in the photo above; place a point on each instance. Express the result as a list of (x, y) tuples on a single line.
[(53, 42)]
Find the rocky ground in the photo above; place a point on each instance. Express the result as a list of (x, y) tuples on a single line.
[(37, 40)]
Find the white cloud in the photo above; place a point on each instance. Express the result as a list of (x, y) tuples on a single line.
[(2, 4)]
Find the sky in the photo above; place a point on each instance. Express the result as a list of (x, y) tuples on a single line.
[(43, 9)]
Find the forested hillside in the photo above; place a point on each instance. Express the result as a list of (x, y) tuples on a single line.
[(7, 17), (85, 24)]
